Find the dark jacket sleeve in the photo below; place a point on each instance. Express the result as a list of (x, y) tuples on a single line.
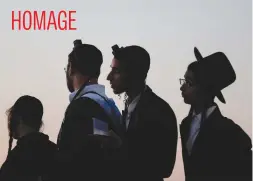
[(157, 142), (235, 149), (241, 145), (74, 131), (80, 155), (76, 127), (164, 140)]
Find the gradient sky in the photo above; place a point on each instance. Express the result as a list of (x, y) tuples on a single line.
[(32, 62)]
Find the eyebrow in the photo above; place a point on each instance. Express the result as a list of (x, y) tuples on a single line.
[(114, 67), (188, 78)]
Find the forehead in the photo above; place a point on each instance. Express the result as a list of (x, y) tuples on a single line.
[(189, 75), (115, 63)]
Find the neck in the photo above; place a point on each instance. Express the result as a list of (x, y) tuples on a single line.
[(25, 131), (80, 81), (198, 108), (135, 91)]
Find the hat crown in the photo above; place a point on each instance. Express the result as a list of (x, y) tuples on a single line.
[(215, 72)]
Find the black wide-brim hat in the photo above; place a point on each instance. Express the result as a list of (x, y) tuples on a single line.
[(215, 73)]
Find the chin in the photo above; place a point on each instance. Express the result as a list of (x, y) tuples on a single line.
[(70, 88), (117, 91), (186, 101), (70, 85)]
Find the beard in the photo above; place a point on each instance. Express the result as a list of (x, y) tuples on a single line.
[(70, 84)]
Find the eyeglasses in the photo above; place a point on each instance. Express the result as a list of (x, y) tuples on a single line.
[(186, 82)]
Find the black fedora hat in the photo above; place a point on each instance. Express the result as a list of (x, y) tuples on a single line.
[(215, 72)]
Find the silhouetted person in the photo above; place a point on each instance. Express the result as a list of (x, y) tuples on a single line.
[(150, 138), (84, 136), (213, 146), (32, 157)]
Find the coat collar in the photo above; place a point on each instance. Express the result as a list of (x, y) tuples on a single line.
[(208, 123), (143, 102)]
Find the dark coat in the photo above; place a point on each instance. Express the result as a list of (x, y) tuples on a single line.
[(81, 156), (221, 151), (32, 157), (150, 142)]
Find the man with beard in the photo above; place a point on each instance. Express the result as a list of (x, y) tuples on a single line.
[(84, 138), (150, 139)]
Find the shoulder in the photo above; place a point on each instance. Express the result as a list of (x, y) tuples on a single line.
[(234, 128), (158, 104), (83, 106), (224, 123), (184, 121), (83, 102), (38, 142), (232, 131), (157, 109)]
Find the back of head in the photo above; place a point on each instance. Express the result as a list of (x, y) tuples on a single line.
[(86, 58), (28, 109), (134, 59)]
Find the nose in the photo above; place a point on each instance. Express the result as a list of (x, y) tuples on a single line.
[(182, 88), (109, 76)]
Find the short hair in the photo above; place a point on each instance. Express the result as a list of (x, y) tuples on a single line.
[(87, 59), (135, 60)]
